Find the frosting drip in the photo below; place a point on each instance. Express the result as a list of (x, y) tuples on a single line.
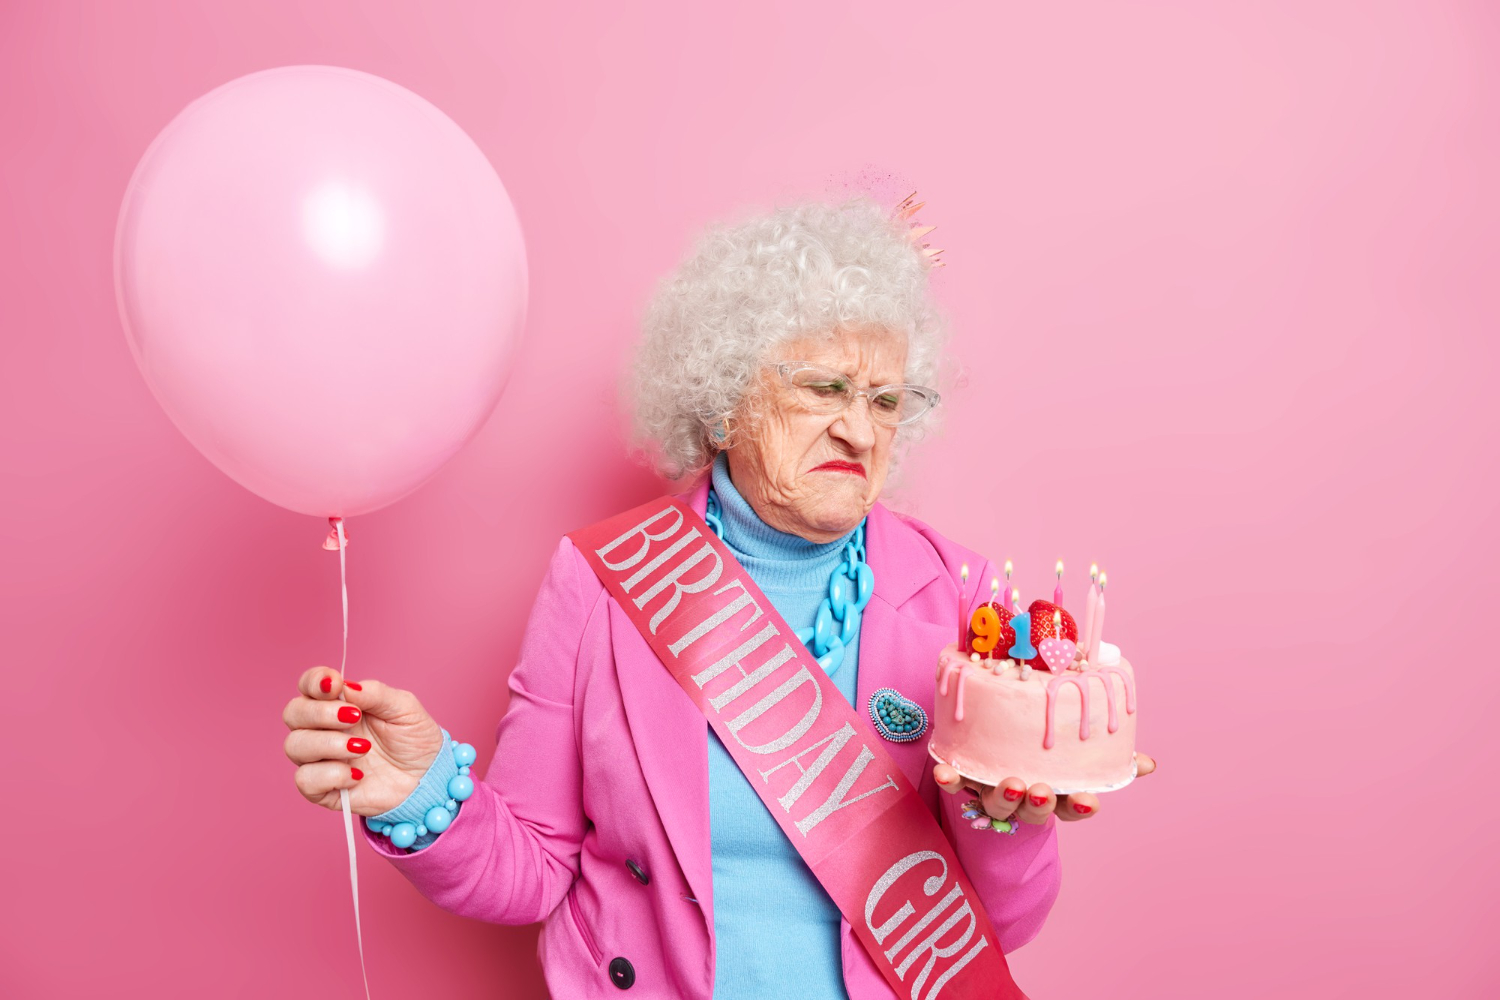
[(949, 669), (1080, 681)]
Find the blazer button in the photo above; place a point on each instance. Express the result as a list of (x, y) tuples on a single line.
[(638, 872), (622, 973)]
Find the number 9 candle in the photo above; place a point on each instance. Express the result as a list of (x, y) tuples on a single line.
[(986, 627)]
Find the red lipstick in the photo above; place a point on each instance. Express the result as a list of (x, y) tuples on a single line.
[(841, 466)]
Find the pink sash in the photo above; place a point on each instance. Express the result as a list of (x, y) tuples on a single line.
[(836, 792)]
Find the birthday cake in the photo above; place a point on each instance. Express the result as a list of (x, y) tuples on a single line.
[(1024, 697)]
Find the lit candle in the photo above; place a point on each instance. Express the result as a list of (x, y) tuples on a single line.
[(994, 595), (1096, 633), (1057, 591), (1087, 631), (1057, 625), (963, 619), (1007, 583), (1015, 601)]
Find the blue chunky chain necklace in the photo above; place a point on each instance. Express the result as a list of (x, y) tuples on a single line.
[(849, 588)]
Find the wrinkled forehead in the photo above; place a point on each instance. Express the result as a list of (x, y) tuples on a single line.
[(873, 354)]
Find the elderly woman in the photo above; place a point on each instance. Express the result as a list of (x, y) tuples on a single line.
[(788, 360)]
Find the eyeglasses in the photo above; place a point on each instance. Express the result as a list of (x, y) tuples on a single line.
[(821, 390)]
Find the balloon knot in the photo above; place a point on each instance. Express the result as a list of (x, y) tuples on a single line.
[(331, 543)]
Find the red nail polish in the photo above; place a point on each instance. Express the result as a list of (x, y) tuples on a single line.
[(1014, 794), (1039, 800), (348, 713), (351, 684), (326, 684), (1082, 809), (357, 773), (357, 745)]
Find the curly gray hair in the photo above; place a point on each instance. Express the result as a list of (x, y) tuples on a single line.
[(802, 268)]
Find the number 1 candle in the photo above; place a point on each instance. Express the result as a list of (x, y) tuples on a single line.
[(1023, 649)]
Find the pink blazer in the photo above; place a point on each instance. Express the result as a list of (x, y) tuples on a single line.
[(593, 816)]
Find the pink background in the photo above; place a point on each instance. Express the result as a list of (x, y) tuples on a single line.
[(1233, 264)]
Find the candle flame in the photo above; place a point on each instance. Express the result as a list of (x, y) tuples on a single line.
[(1059, 569), (963, 573), (1094, 572), (1057, 623), (994, 587), (1103, 580), (1007, 569)]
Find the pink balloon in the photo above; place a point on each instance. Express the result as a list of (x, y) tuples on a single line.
[(323, 281)]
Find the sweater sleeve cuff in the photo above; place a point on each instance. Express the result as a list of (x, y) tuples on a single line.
[(431, 791)]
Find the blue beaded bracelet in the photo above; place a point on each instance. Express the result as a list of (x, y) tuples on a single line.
[(460, 787)]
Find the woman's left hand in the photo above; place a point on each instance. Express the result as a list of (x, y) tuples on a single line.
[(1029, 805)]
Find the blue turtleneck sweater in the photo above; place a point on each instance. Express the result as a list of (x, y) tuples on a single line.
[(773, 923)]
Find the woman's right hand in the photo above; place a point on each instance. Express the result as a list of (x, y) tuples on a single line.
[(377, 742)]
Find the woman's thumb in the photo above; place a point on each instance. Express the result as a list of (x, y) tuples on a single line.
[(384, 702)]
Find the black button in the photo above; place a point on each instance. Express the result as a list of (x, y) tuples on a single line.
[(638, 872), (621, 973)]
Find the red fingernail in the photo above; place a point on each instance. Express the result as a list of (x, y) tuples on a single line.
[(1079, 807), (348, 713), (357, 773), (351, 684), (1039, 800), (326, 684), (357, 745), (1013, 794)]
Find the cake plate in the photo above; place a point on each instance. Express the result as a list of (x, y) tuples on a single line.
[(1056, 791)]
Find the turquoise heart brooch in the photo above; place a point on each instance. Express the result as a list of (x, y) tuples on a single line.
[(897, 718)]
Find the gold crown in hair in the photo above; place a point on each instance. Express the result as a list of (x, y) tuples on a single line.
[(906, 210)]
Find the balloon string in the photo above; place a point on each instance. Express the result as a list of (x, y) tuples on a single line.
[(338, 526)]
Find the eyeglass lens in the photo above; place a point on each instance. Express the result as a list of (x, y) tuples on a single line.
[(828, 391)]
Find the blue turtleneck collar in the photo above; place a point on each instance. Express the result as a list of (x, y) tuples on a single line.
[(775, 559)]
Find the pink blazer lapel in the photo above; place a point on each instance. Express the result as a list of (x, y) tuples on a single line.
[(896, 650), (671, 741)]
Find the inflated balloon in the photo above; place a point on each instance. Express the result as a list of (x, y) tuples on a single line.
[(323, 281)]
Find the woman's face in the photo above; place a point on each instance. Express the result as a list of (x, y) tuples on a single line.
[(817, 474)]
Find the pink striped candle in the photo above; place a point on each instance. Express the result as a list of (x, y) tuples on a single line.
[(1096, 631), (1086, 633), (963, 619)]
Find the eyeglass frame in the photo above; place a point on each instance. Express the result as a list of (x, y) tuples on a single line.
[(786, 368)]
